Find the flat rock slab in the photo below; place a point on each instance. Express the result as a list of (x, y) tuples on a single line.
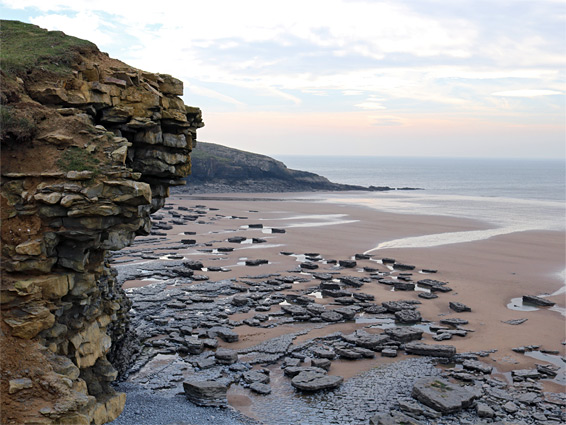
[(433, 350), (315, 381), (393, 418), (442, 395), (206, 393)]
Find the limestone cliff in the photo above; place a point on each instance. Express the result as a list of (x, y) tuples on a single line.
[(90, 147)]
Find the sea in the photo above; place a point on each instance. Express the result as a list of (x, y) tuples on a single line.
[(510, 194)]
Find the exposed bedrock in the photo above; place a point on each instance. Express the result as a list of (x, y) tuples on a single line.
[(104, 142)]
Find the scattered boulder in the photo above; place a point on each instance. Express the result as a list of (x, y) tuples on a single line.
[(349, 264), (206, 393), (226, 356), (459, 307)]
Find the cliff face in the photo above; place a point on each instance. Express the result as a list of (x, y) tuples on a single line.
[(90, 147)]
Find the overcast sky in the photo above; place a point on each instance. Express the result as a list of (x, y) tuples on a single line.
[(345, 77)]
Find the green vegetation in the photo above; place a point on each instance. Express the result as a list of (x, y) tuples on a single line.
[(14, 125), (77, 159), (25, 47), (441, 386)]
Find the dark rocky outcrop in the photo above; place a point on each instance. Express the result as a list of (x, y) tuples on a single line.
[(104, 142), (218, 168)]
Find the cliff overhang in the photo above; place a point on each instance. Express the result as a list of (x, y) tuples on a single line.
[(90, 147)]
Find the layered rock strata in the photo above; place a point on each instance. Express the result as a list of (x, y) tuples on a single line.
[(104, 142)]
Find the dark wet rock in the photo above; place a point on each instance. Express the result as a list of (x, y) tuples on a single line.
[(345, 300), (393, 418), (349, 264), (346, 312), (404, 334), (476, 366), (236, 239), (206, 393), (539, 301), (321, 363), (389, 352), (315, 381), (294, 371), (239, 300), (259, 388), (226, 356), (335, 293), (325, 276), (454, 322), (331, 316), (362, 256), (404, 286), (205, 363), (332, 286), (442, 395), (294, 310), (523, 374), (484, 410), (356, 282), (193, 265), (256, 262), (547, 369), (324, 353), (371, 341), (255, 376), (316, 309), (348, 353), (360, 296), (193, 345), (225, 334), (427, 295), (458, 307), (225, 249), (274, 230), (308, 266), (388, 260), (433, 285), (375, 309), (408, 316), (258, 240), (255, 226), (432, 271), (433, 350), (299, 299), (394, 306), (188, 241), (416, 409), (399, 266), (200, 277)]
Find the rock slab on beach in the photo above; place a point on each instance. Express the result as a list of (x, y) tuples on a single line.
[(315, 381), (206, 393), (442, 395)]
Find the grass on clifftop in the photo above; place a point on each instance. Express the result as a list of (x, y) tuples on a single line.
[(24, 47)]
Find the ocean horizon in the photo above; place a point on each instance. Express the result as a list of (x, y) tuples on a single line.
[(513, 195)]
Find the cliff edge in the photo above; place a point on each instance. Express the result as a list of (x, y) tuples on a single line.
[(90, 147)]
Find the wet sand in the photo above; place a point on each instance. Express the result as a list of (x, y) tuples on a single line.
[(485, 275)]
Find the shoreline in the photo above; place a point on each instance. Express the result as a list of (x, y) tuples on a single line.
[(484, 274)]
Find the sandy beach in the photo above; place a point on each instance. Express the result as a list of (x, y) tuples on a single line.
[(484, 275)]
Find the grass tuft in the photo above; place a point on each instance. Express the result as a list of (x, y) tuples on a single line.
[(24, 47)]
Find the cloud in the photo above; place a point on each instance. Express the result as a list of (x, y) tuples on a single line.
[(203, 91), (526, 93)]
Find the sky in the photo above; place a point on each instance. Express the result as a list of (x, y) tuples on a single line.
[(469, 78)]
